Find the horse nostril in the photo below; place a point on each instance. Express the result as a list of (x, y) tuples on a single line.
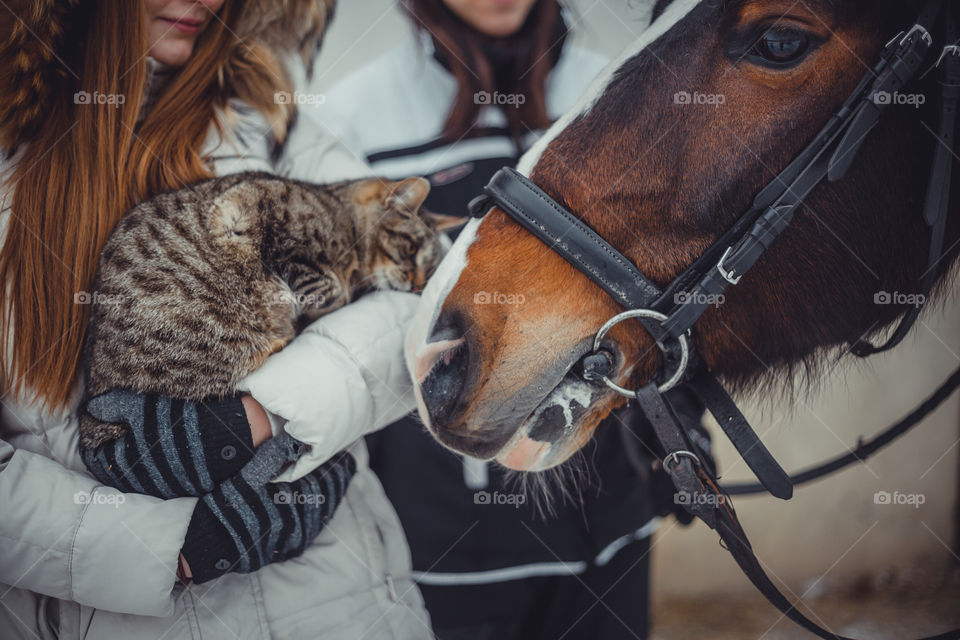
[(433, 354), (442, 387), (441, 370)]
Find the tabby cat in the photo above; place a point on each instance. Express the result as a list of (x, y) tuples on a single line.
[(196, 287)]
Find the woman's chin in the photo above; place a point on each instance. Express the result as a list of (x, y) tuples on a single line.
[(173, 52)]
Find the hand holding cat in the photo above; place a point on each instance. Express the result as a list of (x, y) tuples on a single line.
[(342, 377), (171, 448), (257, 417), (243, 521), (248, 522)]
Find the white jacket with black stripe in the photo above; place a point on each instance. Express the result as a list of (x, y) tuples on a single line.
[(104, 567)]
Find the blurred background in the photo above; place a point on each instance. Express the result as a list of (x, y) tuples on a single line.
[(364, 29), (848, 551)]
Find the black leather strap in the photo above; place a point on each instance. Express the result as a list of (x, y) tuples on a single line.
[(901, 61), (705, 499), (579, 245), (680, 460), (771, 475), (865, 448), (937, 201), (576, 242), (730, 268), (735, 540), (830, 154)]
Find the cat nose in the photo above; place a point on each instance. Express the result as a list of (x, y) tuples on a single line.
[(441, 370)]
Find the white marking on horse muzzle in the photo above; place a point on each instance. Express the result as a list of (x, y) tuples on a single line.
[(431, 302), (563, 396)]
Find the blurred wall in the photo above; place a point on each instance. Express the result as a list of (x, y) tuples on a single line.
[(832, 530), (840, 528)]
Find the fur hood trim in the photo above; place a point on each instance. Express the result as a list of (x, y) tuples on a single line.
[(32, 35)]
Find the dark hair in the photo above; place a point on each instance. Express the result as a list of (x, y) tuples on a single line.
[(530, 53)]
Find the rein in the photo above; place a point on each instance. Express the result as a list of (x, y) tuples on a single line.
[(670, 314)]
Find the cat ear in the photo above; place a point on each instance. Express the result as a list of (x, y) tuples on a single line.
[(407, 195), (442, 221)]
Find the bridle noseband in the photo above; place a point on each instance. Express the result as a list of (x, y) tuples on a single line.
[(669, 315)]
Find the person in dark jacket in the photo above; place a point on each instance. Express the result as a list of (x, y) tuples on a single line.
[(467, 93)]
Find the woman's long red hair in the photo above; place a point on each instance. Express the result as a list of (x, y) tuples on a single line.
[(462, 48), (89, 163)]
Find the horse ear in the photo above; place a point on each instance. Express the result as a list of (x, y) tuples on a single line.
[(442, 221), (407, 195)]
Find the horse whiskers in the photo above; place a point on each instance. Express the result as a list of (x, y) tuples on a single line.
[(543, 488), (536, 487)]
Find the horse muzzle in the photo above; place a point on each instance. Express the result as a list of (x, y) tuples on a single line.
[(534, 428)]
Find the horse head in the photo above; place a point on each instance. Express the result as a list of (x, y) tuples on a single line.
[(668, 148)]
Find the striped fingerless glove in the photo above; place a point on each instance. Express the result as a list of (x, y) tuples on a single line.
[(248, 522), (172, 448)]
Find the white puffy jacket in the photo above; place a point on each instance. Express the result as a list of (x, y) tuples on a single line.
[(104, 568)]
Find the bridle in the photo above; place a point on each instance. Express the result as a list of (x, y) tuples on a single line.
[(669, 315)]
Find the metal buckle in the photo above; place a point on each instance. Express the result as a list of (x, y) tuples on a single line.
[(903, 36), (676, 455), (727, 275), (653, 315), (951, 49)]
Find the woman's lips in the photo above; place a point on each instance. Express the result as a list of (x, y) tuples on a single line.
[(184, 25)]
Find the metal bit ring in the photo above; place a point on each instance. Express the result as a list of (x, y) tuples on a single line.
[(652, 315)]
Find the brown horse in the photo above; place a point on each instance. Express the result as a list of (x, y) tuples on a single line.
[(663, 154)]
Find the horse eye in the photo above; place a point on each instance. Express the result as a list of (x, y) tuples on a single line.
[(781, 47)]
